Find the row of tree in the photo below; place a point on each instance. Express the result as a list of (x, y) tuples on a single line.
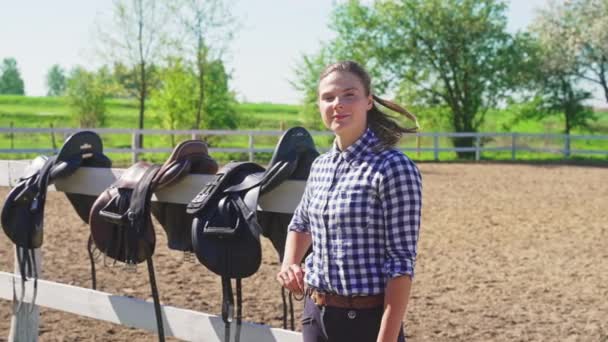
[(452, 59), (458, 55), (160, 52)]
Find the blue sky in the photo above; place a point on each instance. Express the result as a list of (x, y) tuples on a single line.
[(273, 34)]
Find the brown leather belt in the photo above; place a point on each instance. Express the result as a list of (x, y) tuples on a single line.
[(347, 302)]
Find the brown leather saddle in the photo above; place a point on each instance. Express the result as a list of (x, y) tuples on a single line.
[(120, 219)]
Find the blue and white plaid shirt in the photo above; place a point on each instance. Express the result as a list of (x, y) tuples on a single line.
[(363, 210)]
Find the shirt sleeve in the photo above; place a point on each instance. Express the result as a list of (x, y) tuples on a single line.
[(401, 196), (300, 221)]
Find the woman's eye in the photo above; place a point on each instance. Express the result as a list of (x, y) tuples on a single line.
[(349, 95), (328, 98)]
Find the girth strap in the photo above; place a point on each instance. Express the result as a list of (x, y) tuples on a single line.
[(248, 207), (228, 307), (140, 199), (156, 299)]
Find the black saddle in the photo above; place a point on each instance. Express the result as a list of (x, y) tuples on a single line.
[(23, 211), (120, 219), (291, 160), (225, 231)]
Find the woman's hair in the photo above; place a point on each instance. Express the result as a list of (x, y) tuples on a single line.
[(384, 126)]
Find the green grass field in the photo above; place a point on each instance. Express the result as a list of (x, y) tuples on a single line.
[(44, 112)]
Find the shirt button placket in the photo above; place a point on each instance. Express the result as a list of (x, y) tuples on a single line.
[(326, 218)]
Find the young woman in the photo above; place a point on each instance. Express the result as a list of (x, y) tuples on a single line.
[(361, 213)]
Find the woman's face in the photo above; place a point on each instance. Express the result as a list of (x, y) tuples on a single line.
[(343, 104)]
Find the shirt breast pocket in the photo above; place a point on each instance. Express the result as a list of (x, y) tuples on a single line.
[(355, 209)]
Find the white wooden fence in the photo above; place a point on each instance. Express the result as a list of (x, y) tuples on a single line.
[(509, 142), (181, 323)]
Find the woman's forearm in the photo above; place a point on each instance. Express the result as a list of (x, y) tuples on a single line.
[(296, 246), (396, 298)]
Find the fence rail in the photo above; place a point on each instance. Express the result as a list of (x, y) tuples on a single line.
[(482, 142), (182, 323)]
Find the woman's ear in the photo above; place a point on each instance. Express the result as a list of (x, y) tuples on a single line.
[(370, 102)]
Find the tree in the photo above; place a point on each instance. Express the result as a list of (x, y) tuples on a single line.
[(219, 102), (208, 26), (558, 69), (137, 41), (307, 73), (589, 37), (10, 78), (55, 81), (175, 100), (456, 53), (86, 93)]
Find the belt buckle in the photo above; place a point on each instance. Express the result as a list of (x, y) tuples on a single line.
[(318, 297)]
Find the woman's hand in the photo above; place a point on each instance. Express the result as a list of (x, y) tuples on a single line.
[(291, 277)]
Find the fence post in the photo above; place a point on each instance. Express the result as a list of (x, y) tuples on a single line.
[(477, 145), (513, 145), (436, 146), (250, 146), (567, 146), (53, 142), (134, 147), (12, 136), (418, 145), (24, 324)]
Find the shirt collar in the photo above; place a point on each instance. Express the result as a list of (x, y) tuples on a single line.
[(359, 148)]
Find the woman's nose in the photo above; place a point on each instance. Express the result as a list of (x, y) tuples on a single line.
[(338, 102)]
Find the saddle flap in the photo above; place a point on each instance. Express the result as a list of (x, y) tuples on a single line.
[(121, 225), (225, 234), (23, 210)]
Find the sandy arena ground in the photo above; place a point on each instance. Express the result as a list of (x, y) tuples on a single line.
[(507, 253)]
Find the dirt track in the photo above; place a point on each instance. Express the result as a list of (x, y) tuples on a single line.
[(507, 253)]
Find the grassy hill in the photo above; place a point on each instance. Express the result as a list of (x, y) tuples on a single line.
[(42, 112)]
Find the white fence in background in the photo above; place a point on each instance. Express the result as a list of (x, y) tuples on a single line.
[(136, 313), (510, 142)]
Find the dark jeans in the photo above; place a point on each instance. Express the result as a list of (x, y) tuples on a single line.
[(329, 324)]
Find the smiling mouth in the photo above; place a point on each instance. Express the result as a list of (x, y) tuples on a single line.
[(340, 117)]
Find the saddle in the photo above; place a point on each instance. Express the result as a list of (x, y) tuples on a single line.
[(120, 220), (23, 210), (291, 160), (226, 232)]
